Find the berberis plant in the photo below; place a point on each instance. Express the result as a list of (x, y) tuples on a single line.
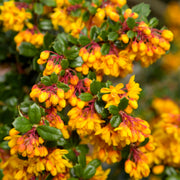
[(75, 119)]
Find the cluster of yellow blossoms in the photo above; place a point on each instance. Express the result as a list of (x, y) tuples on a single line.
[(171, 62), (30, 36), (14, 17), (165, 128)]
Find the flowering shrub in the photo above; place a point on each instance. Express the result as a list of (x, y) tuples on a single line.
[(76, 119)]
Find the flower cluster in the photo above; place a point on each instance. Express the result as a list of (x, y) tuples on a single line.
[(30, 36), (166, 135), (71, 104), (14, 16)]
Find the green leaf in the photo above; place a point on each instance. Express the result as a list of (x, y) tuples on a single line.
[(71, 156), (48, 39), (95, 162), (84, 31), (170, 171), (49, 177), (62, 72), (45, 24), (77, 62), (51, 3), (123, 103), (82, 159), (153, 22), (34, 113), (84, 40), (76, 13), (73, 2), (97, 2), (4, 145), (112, 36), (113, 110), (93, 32), (115, 121), (174, 177), (92, 10), (38, 8), (60, 44), (65, 63), (22, 124), (131, 22), (89, 172), (125, 152), (63, 86), (104, 35), (99, 107), (105, 48), (86, 16), (73, 40), (130, 34), (95, 87), (82, 148), (49, 133), (78, 170), (54, 78), (142, 9), (46, 80), (27, 49), (72, 53), (86, 96), (144, 142)]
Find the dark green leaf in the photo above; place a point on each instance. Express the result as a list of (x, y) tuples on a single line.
[(76, 13), (115, 121), (49, 133), (72, 40), (38, 8), (72, 53), (62, 72), (73, 179), (82, 159), (113, 109), (104, 35), (95, 162), (174, 177), (125, 152), (49, 177), (131, 22), (4, 145), (84, 40), (95, 87), (144, 142), (63, 86), (46, 80), (99, 107), (123, 103), (92, 10), (73, 2), (54, 78), (112, 36), (89, 172), (153, 22), (82, 148), (86, 96), (60, 44), (105, 49), (24, 106), (27, 49), (78, 170), (22, 124), (86, 16), (77, 62), (51, 3), (130, 34), (65, 63), (45, 24), (170, 171), (34, 113), (48, 39), (142, 9), (71, 156), (93, 32)]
